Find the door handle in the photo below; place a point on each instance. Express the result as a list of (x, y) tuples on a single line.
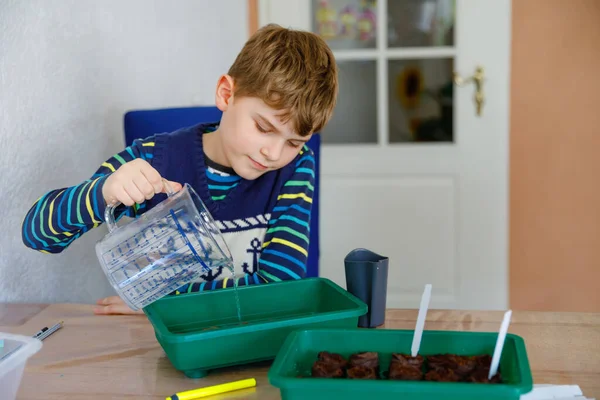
[(477, 78)]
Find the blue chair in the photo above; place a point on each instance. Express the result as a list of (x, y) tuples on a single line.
[(144, 123)]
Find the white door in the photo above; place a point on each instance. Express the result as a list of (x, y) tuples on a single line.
[(408, 167)]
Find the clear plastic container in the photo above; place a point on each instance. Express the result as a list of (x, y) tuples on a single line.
[(172, 244), (14, 353)]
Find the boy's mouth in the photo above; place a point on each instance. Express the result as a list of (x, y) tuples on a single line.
[(257, 165)]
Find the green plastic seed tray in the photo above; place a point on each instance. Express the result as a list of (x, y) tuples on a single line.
[(291, 371), (201, 331)]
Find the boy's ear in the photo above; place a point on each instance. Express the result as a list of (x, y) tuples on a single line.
[(224, 94)]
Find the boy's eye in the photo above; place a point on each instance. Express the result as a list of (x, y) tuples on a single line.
[(295, 144), (260, 128)]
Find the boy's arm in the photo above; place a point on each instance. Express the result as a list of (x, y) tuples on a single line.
[(285, 247), (61, 216)]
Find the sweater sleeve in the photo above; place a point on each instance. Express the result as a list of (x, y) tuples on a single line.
[(61, 216), (285, 248)]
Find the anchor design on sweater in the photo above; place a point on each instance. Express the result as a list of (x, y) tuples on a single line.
[(255, 249), (211, 275)]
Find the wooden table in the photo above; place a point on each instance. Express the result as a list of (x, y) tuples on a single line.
[(118, 357)]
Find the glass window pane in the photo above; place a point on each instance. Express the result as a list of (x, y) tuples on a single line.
[(346, 24), (420, 100), (355, 116), (420, 23)]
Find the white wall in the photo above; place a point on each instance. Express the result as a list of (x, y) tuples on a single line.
[(69, 69)]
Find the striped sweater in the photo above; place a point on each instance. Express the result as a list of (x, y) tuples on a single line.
[(265, 222)]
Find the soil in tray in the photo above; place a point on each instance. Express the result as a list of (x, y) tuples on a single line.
[(436, 368)]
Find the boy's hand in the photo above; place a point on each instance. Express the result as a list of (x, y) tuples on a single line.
[(135, 182), (114, 305)]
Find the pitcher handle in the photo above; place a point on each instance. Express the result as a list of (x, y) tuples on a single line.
[(109, 212)]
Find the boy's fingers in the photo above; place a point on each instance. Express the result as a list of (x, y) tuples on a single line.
[(115, 309), (123, 197), (144, 186), (174, 185), (108, 300), (135, 194), (156, 180), (153, 177), (102, 310)]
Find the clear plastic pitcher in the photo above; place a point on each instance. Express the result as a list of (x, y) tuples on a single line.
[(172, 244)]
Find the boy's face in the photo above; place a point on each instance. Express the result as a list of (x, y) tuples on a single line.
[(254, 140)]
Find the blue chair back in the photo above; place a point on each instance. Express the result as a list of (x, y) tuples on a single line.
[(143, 123)]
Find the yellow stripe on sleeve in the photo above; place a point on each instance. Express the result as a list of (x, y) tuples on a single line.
[(295, 196), (88, 203), (287, 243), (51, 211), (109, 166)]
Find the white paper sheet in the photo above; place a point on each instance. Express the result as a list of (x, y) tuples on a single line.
[(555, 392)]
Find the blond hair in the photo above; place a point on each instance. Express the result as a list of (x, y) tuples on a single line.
[(289, 70)]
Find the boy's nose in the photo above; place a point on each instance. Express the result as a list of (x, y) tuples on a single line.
[(272, 152)]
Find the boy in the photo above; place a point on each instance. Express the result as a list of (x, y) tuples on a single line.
[(252, 169)]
